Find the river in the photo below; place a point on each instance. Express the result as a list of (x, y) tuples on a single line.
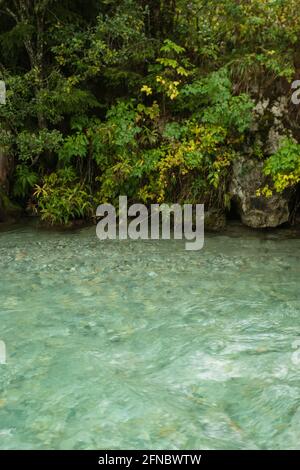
[(143, 345)]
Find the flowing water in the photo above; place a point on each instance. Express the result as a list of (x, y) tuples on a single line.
[(142, 345)]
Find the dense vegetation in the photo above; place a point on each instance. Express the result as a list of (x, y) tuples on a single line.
[(149, 98)]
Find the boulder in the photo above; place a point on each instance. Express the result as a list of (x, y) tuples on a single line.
[(256, 211), (270, 124)]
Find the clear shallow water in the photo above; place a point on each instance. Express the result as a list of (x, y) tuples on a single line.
[(144, 345)]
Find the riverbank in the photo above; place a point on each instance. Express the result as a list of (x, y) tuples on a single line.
[(233, 228)]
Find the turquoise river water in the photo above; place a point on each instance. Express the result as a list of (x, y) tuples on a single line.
[(143, 345)]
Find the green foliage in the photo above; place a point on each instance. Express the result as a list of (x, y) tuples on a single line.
[(25, 180), (213, 100), (149, 99), (74, 146), (121, 119), (63, 198), (284, 165), (234, 113), (32, 145)]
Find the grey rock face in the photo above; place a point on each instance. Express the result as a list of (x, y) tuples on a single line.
[(270, 122), (256, 211)]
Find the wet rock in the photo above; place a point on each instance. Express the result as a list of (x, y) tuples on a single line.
[(256, 211), (215, 220)]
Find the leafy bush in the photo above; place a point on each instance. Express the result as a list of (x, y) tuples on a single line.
[(25, 179), (31, 145), (149, 99), (284, 165), (63, 198)]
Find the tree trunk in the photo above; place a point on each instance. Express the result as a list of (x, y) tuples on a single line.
[(24, 12), (4, 167)]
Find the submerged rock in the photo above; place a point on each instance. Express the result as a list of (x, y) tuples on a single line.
[(256, 211)]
